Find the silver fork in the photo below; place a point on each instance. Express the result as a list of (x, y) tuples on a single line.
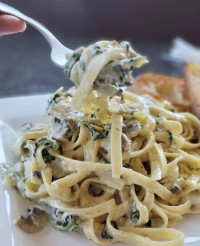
[(59, 53)]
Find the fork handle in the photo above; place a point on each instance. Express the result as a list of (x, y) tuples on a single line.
[(52, 40)]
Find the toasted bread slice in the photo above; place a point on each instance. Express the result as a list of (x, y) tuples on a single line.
[(160, 86), (192, 78)]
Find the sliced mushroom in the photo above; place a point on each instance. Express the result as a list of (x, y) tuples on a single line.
[(105, 88), (63, 128), (26, 149), (176, 189), (132, 129), (35, 220), (126, 142)]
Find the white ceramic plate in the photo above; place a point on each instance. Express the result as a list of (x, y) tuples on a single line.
[(14, 112)]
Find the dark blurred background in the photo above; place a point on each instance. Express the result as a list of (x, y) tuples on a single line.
[(150, 25)]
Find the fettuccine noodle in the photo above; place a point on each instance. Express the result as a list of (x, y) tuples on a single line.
[(124, 168)]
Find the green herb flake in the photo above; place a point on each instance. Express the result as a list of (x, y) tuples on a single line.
[(104, 160), (27, 127), (24, 180), (96, 134), (82, 65), (135, 214), (13, 173), (68, 223), (122, 74), (97, 50), (170, 137), (125, 45), (52, 101), (49, 143), (56, 213), (71, 61)]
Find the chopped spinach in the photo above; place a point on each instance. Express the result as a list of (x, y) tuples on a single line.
[(104, 160), (125, 45), (82, 65), (28, 126), (13, 173), (56, 213), (52, 101), (170, 137), (24, 180), (122, 73), (64, 222), (68, 223), (71, 61), (135, 214), (97, 50), (49, 143), (98, 134)]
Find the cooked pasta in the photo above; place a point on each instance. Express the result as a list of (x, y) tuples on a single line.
[(121, 168), (102, 66)]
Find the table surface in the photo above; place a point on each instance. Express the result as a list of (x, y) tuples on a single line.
[(26, 67)]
